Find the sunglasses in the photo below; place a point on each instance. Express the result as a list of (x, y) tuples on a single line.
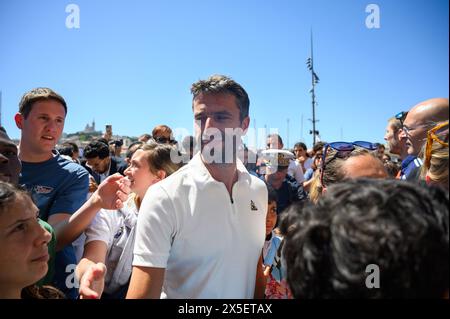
[(164, 140), (401, 116), (343, 150), (434, 135)]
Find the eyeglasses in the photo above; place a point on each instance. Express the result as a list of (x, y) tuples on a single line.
[(343, 150), (401, 116), (434, 135), (408, 129)]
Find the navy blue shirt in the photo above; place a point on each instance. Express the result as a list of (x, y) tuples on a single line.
[(289, 192), (410, 169), (57, 186)]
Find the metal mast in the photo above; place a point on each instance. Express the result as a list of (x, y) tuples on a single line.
[(314, 81)]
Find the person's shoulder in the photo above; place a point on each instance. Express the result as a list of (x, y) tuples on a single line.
[(257, 182), (291, 181), (71, 167), (276, 241), (46, 226), (171, 186), (117, 161), (293, 163), (129, 206), (182, 174)]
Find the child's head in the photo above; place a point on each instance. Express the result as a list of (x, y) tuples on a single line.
[(271, 217), (24, 256), (150, 164)]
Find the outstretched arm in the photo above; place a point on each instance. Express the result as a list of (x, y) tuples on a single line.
[(111, 194), (91, 270)]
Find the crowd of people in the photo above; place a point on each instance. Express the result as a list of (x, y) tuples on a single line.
[(205, 218)]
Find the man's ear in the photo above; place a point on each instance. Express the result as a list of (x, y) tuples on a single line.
[(245, 124), (18, 118)]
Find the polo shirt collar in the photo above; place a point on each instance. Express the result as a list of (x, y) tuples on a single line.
[(202, 176)]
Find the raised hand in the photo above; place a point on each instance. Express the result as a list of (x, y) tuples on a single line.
[(112, 192), (93, 282)]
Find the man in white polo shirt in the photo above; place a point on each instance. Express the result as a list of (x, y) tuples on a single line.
[(200, 232)]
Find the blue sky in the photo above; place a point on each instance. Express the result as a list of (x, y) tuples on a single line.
[(131, 63)]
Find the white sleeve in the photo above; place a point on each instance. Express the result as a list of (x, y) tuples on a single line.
[(155, 229), (295, 170), (101, 227)]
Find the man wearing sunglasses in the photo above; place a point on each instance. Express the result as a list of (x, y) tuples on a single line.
[(163, 134), (418, 121)]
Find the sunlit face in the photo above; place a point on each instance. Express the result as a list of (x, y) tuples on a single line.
[(395, 143), (414, 133), (271, 218), (43, 127), (299, 152), (24, 256), (365, 165), (214, 113), (9, 162), (98, 165), (139, 173), (273, 143)]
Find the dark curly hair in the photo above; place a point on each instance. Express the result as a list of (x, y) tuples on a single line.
[(96, 149), (400, 227)]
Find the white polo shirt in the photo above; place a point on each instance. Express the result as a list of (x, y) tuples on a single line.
[(208, 244), (295, 170)]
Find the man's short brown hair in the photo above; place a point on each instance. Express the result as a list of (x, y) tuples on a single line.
[(161, 129), (221, 84), (395, 123), (39, 94)]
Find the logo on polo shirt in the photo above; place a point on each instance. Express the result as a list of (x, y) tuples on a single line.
[(38, 189), (119, 233), (253, 206)]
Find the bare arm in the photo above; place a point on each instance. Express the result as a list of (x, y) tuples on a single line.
[(146, 283), (260, 282), (307, 184), (110, 195)]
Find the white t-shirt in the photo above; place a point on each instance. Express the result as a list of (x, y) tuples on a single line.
[(208, 244), (116, 229), (308, 163), (295, 170)]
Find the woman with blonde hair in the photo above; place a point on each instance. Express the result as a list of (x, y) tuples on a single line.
[(345, 160), (108, 252), (435, 154)]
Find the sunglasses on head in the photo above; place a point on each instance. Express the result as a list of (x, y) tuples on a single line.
[(401, 116), (435, 134), (343, 150)]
